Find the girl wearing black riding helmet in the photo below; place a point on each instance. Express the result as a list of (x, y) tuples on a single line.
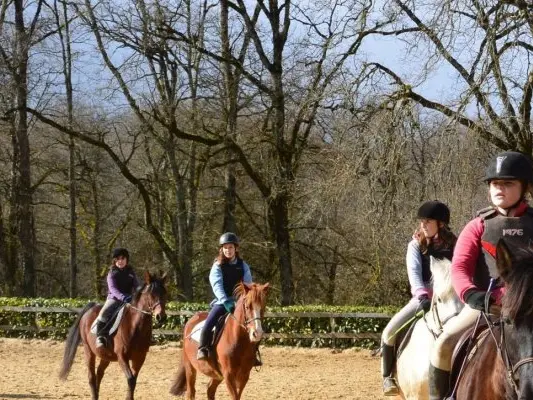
[(509, 176), (432, 238), (227, 271), (121, 283)]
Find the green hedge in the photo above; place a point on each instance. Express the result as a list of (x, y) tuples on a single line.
[(63, 321)]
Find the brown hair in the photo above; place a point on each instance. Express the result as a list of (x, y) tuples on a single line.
[(446, 239), (222, 259)]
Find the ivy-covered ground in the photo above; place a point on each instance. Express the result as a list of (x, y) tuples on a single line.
[(30, 366)]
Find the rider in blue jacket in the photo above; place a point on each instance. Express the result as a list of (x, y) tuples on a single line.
[(227, 271)]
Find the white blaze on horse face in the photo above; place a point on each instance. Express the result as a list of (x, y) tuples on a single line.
[(256, 333)]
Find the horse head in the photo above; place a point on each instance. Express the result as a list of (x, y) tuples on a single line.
[(515, 266), (446, 304), (250, 307), (151, 298)]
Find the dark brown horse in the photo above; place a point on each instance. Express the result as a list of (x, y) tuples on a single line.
[(502, 366), (131, 341), (235, 349)]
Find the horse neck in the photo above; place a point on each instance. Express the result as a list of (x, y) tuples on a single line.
[(139, 319), (235, 325)]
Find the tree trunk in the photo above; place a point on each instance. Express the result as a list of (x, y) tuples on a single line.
[(24, 198), (280, 217)]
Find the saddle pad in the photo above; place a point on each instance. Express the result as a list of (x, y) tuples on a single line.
[(116, 323), (197, 329)]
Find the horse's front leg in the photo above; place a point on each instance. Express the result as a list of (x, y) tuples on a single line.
[(130, 377), (231, 384), (212, 388)]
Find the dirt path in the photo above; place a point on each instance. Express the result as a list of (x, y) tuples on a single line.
[(29, 371)]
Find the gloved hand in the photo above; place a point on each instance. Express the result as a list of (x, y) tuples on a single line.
[(476, 299), (127, 299), (424, 303), (229, 305)]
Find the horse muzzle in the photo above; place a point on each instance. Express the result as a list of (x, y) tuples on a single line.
[(256, 334)]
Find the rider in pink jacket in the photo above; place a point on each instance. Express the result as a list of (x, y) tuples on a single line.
[(474, 274)]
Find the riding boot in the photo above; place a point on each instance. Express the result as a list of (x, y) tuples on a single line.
[(388, 355), (101, 333), (203, 346), (439, 383)]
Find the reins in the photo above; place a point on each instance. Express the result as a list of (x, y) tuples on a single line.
[(151, 312)]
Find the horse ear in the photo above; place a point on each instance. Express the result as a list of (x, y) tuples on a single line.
[(504, 259), (247, 286), (266, 287), (147, 277)]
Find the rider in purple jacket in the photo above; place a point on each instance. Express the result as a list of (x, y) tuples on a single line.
[(121, 283)]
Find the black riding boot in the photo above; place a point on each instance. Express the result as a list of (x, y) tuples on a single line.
[(388, 355), (439, 383), (203, 346), (101, 334)]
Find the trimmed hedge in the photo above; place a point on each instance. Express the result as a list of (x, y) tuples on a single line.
[(305, 325)]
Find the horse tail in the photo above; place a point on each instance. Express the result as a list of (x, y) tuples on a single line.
[(179, 385), (71, 345)]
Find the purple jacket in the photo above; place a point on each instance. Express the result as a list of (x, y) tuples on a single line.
[(121, 282)]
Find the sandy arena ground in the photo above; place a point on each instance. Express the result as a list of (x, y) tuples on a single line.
[(29, 371)]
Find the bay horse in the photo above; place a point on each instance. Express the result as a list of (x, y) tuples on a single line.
[(130, 343), (235, 350), (412, 365), (502, 366)]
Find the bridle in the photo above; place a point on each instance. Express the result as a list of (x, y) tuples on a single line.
[(246, 321), (437, 319), (511, 369), (151, 307)]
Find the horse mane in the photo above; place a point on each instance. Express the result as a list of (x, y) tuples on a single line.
[(154, 284), (517, 302), (254, 294), (442, 278)]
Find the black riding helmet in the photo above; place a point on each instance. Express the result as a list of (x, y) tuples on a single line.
[(228, 237), (121, 252), (510, 165), (434, 209)]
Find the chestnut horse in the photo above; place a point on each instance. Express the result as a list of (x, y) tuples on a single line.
[(235, 350), (412, 366), (502, 366), (129, 344)]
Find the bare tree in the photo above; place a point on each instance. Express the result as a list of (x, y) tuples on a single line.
[(482, 42)]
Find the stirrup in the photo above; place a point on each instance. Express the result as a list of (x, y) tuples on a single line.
[(101, 341), (202, 354), (390, 388)]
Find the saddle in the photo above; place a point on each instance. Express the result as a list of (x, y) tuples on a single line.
[(114, 321), (217, 332), (465, 348)]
